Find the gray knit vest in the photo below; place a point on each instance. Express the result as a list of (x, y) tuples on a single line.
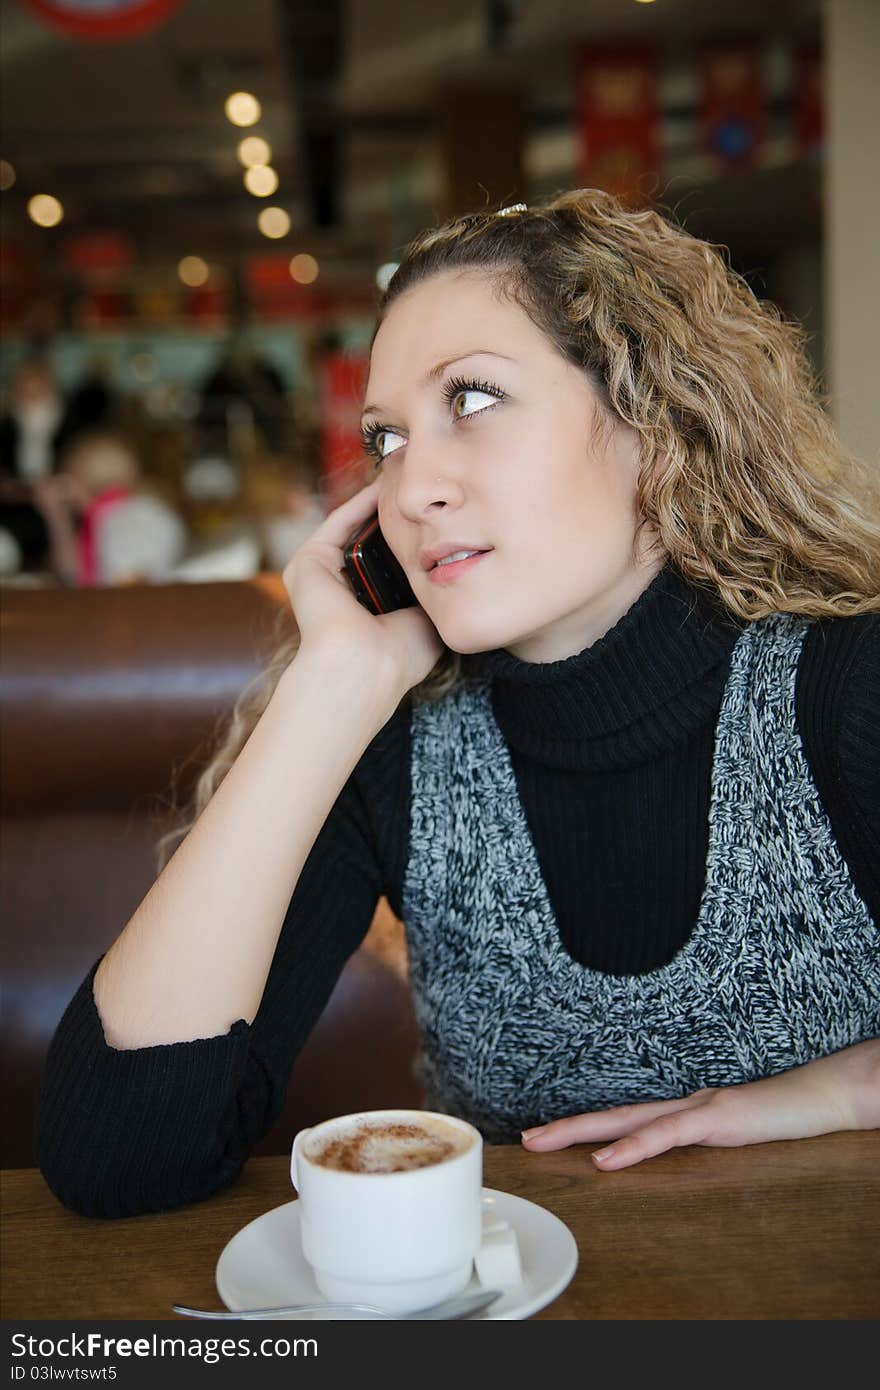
[(782, 966)]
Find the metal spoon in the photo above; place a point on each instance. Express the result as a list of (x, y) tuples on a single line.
[(465, 1305)]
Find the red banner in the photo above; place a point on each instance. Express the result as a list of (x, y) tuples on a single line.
[(103, 308), (103, 21), (809, 119), (267, 273), (617, 102), (207, 305), (98, 255), (733, 103), (344, 467), (274, 293)]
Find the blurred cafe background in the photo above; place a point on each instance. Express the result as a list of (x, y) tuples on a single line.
[(201, 201)]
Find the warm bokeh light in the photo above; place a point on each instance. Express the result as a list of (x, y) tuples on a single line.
[(304, 269), (273, 222), (242, 108), (45, 210), (193, 271), (261, 180), (384, 274), (253, 149), (7, 175)]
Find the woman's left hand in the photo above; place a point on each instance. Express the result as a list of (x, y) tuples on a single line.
[(841, 1091)]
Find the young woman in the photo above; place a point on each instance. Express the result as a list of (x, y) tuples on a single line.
[(617, 771)]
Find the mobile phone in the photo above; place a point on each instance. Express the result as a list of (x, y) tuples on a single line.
[(373, 571)]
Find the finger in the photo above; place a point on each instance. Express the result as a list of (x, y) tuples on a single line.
[(601, 1124), (669, 1132), (327, 542)]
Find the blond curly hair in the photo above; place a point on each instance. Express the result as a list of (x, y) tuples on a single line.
[(742, 476)]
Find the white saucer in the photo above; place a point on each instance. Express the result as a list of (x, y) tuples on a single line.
[(263, 1266)]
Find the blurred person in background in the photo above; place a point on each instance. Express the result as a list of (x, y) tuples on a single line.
[(281, 497), (104, 527), (30, 439), (243, 386), (39, 426), (92, 404), (241, 525)]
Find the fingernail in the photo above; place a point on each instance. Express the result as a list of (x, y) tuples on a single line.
[(530, 1133), (602, 1154)]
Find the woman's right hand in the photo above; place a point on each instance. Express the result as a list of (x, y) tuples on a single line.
[(400, 647)]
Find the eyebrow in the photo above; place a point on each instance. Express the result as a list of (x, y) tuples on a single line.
[(437, 371)]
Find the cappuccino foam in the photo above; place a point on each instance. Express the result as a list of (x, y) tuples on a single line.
[(390, 1146)]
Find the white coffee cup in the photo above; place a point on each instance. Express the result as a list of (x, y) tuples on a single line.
[(401, 1239)]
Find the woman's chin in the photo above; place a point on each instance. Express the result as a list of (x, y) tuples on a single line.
[(469, 637)]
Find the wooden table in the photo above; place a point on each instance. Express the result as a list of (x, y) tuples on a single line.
[(789, 1230)]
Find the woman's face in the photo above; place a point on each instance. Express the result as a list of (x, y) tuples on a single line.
[(489, 442)]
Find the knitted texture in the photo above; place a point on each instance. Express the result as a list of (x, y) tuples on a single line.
[(783, 964)]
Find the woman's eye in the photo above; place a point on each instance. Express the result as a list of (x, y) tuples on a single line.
[(466, 398), (382, 439), (375, 439), (461, 398)]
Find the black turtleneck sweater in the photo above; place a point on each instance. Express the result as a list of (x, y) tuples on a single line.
[(612, 752)]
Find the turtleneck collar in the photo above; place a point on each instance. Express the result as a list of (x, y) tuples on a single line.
[(652, 679)]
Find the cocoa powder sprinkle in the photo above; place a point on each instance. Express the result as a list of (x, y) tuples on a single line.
[(386, 1148)]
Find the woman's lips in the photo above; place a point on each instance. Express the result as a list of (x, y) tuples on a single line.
[(447, 574)]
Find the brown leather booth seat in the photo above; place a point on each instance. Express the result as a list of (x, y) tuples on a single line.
[(107, 695)]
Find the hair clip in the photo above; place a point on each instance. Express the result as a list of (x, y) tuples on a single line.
[(514, 207)]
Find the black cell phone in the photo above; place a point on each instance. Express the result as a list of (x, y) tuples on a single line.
[(373, 571)]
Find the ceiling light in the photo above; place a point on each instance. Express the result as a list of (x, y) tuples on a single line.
[(45, 210), (7, 175), (304, 269), (242, 108), (193, 271), (261, 180), (273, 222), (253, 149)]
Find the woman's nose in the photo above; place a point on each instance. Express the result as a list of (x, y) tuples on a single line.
[(427, 480)]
